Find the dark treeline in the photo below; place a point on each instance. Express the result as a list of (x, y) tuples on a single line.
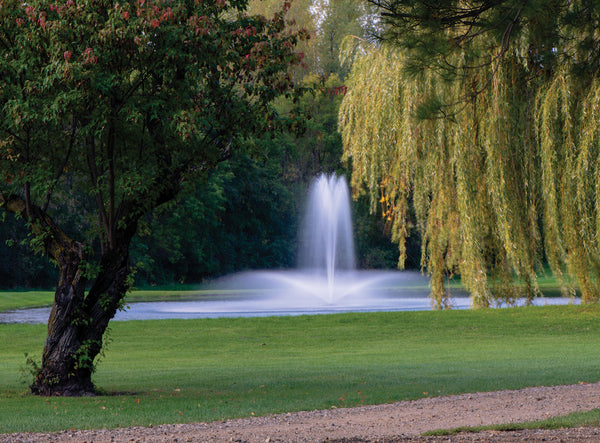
[(246, 215)]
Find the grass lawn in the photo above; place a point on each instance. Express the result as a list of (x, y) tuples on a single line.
[(24, 299), (171, 371), (29, 299)]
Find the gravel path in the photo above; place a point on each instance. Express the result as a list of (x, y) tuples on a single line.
[(397, 422)]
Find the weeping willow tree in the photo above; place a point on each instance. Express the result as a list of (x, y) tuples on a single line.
[(476, 126)]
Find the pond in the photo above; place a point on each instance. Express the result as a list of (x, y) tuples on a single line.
[(279, 294)]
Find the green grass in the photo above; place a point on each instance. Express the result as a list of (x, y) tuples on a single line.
[(575, 419), (209, 369), (24, 299), (32, 299)]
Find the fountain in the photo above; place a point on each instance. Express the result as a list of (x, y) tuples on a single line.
[(325, 281), (327, 246), (326, 278)]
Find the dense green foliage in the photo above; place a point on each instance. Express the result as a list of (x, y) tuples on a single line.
[(202, 370), (475, 124), (18, 267), (242, 218), (111, 110), (198, 236)]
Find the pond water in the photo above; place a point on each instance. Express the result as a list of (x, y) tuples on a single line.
[(262, 295), (325, 282)]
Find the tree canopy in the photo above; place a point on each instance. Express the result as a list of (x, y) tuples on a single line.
[(475, 124), (110, 110), (282, 165)]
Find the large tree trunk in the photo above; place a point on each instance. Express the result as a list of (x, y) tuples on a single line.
[(77, 324), (78, 321), (61, 372), (57, 374)]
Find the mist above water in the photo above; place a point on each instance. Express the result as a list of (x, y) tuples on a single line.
[(325, 281), (326, 275)]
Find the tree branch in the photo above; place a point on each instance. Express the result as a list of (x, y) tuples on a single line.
[(56, 243), (110, 155), (62, 166), (94, 177)]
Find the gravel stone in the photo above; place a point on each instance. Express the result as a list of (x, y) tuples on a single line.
[(397, 422)]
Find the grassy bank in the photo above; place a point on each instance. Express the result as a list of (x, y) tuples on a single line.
[(24, 299), (209, 369), (28, 299), (32, 299), (575, 419)]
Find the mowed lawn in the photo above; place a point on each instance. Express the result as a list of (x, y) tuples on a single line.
[(171, 371)]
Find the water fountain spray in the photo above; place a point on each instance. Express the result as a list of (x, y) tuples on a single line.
[(327, 245)]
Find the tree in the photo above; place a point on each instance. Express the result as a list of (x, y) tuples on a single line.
[(477, 122), (336, 19), (300, 18), (18, 267), (110, 108), (319, 149), (244, 217)]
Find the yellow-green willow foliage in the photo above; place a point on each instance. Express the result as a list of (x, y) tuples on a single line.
[(506, 184), (568, 130)]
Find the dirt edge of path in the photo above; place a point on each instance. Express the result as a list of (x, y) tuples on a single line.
[(397, 422)]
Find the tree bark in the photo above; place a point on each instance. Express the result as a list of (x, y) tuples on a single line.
[(77, 325), (78, 321), (61, 373)]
